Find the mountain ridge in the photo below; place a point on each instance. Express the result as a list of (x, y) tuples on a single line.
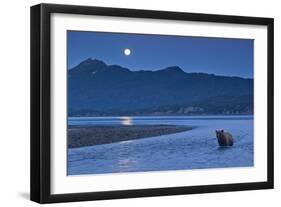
[(168, 68), (95, 88)]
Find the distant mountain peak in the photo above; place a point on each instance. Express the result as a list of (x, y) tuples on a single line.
[(89, 65), (92, 61), (173, 69)]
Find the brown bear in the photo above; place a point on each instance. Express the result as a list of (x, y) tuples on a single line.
[(224, 138)]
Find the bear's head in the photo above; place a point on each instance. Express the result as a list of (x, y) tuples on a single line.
[(219, 132)]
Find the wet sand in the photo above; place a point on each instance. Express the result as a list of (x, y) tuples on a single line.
[(81, 136)]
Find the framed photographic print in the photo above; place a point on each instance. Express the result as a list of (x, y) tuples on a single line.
[(133, 103)]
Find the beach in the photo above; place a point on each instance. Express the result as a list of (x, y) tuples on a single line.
[(82, 136)]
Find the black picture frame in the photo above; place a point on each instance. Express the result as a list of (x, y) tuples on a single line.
[(41, 96)]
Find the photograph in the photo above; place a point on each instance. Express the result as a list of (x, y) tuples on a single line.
[(130, 103), (154, 102)]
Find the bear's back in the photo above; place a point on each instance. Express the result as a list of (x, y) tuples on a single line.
[(225, 139)]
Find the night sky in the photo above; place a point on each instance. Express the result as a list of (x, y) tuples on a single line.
[(220, 56)]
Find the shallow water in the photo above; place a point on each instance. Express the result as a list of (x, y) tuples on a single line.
[(195, 149)]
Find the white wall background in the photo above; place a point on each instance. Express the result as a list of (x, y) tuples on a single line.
[(14, 102)]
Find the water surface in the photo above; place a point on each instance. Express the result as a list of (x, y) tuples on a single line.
[(195, 149)]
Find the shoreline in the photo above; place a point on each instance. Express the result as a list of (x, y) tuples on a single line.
[(165, 115), (83, 136)]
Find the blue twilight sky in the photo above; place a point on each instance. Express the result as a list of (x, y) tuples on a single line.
[(220, 56)]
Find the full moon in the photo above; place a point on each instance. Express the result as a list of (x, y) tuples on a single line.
[(127, 51)]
